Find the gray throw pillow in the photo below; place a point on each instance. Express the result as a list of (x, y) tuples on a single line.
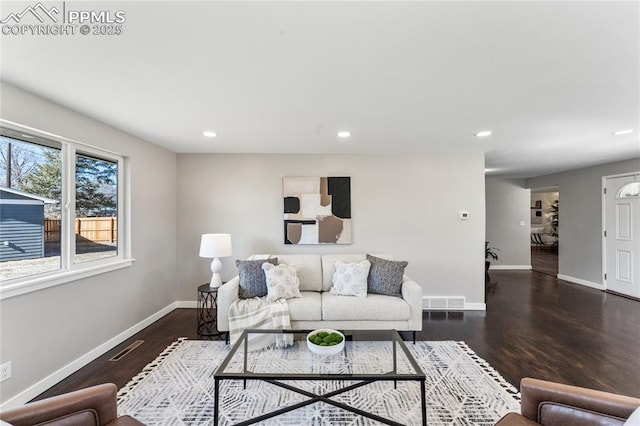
[(253, 282), (385, 276)]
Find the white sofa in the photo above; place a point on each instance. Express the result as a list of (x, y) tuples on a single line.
[(319, 308)]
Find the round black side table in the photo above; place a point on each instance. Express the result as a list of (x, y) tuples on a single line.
[(206, 312)]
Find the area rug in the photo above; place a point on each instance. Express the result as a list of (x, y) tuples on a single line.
[(178, 389)]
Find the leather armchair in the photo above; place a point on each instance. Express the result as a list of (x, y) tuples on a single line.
[(94, 406), (550, 404)]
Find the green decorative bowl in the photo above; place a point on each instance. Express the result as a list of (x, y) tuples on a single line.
[(331, 346)]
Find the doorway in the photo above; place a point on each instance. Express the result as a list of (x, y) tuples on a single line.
[(622, 245), (545, 206)]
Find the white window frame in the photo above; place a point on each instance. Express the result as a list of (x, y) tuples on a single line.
[(69, 270)]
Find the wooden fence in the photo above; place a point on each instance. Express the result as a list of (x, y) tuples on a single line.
[(96, 229)]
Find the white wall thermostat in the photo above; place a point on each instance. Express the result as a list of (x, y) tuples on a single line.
[(463, 215)]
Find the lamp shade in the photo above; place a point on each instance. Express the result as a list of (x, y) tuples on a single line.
[(215, 245)]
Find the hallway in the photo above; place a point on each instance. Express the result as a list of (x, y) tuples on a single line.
[(544, 260)]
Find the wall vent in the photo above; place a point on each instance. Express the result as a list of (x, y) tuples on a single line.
[(126, 351), (446, 303)]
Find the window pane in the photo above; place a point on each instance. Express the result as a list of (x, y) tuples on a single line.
[(30, 207), (630, 190), (96, 220)]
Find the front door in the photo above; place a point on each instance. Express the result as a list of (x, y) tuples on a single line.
[(622, 240)]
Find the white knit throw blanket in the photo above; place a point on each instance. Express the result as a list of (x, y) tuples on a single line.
[(257, 313)]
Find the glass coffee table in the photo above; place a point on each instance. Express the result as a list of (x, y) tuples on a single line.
[(368, 356)]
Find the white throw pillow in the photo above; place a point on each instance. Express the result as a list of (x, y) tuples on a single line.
[(634, 419), (350, 279), (282, 281)]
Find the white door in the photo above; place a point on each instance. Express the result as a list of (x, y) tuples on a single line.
[(622, 240)]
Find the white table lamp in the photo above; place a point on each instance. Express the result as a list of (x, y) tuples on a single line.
[(215, 246)]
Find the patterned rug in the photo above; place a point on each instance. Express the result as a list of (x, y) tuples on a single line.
[(178, 389)]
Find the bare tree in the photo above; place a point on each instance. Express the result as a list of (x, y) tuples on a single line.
[(16, 163)]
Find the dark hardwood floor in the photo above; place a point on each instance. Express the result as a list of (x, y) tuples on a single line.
[(544, 260), (534, 326), (538, 326)]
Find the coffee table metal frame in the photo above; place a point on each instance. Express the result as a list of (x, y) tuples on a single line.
[(274, 378)]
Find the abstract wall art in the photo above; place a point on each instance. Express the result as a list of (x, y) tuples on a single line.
[(317, 210)]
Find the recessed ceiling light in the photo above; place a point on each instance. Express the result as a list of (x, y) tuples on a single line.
[(484, 133), (623, 132), (209, 134), (26, 136), (344, 134)]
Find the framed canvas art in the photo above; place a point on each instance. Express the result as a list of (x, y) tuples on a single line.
[(317, 210)]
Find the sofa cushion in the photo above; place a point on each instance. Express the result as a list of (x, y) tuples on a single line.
[(329, 262), (385, 276), (282, 281), (85, 417), (307, 307), (253, 282), (125, 421), (350, 279), (309, 269), (556, 413), (373, 307)]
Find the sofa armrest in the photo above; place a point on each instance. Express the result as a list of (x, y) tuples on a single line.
[(227, 293), (536, 394), (412, 294), (96, 401)]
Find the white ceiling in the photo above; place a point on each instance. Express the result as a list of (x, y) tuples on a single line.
[(552, 80)]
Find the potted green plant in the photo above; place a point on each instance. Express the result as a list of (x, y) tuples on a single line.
[(489, 255)]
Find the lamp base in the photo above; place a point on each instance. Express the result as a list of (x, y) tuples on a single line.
[(216, 267), (216, 281)]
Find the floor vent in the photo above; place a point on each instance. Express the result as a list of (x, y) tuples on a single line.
[(126, 351), (443, 302)]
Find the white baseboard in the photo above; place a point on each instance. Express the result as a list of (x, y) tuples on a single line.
[(64, 372), (580, 281), (510, 267), (186, 304), (475, 306)]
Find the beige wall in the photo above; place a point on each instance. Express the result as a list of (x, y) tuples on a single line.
[(406, 205), (508, 219), (43, 331)]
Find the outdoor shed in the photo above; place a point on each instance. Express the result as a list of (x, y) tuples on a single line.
[(21, 225)]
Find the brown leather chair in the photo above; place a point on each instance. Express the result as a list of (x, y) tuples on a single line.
[(549, 404), (94, 406)]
